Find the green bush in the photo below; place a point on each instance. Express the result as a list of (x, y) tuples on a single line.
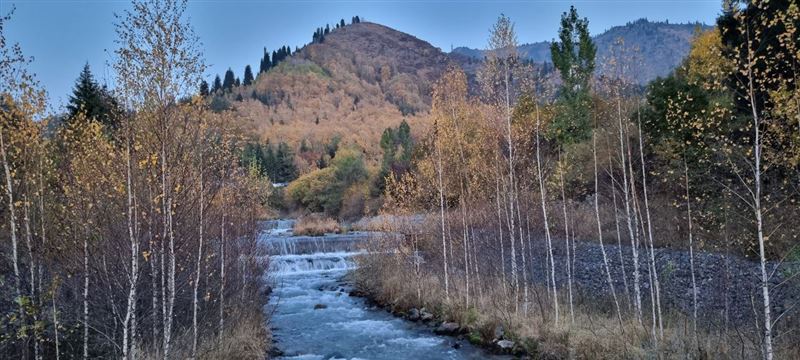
[(323, 190)]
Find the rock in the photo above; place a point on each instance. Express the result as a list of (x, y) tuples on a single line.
[(499, 332), (424, 315), (413, 314), (320, 306), (456, 345), (505, 345), (447, 328)]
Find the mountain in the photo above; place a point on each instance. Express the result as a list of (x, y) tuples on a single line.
[(662, 44), (362, 78), (357, 81)]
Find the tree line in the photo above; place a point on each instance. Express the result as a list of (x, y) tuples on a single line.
[(129, 224)]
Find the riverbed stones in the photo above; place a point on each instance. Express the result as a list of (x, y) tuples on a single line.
[(424, 315), (447, 328), (505, 345), (413, 314)]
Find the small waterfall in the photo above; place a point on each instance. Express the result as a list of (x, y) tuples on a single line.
[(311, 263), (289, 254)]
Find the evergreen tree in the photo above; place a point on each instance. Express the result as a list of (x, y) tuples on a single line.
[(341, 23), (93, 100), (265, 62), (237, 82), (270, 162), (284, 158), (217, 85), (574, 57), (248, 75), (203, 88), (229, 81)]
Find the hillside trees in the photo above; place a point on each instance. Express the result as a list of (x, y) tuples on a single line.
[(248, 76), (229, 81), (323, 190), (397, 146)]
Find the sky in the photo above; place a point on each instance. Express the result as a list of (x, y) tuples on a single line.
[(63, 35)]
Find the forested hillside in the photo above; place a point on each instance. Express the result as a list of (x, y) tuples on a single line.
[(352, 84)]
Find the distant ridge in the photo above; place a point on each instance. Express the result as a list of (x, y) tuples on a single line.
[(664, 45)]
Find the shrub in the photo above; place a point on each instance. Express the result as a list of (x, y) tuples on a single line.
[(316, 225), (323, 190)]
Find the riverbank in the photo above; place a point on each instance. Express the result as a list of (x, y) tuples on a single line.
[(487, 314)]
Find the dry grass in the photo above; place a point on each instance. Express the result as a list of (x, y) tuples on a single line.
[(595, 332), (245, 337), (316, 225)]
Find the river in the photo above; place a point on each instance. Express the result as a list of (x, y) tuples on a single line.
[(312, 315)]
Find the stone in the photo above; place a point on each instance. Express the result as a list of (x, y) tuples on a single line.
[(320, 306), (447, 328), (413, 314), (425, 316), (505, 345)]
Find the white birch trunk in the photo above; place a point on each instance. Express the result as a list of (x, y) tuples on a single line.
[(768, 351), (600, 230), (543, 194), (128, 348), (441, 209), (691, 249), (86, 296), (653, 268), (222, 271), (629, 220), (619, 234), (12, 219), (195, 304), (566, 238)]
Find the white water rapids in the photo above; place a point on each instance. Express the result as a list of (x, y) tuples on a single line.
[(313, 316)]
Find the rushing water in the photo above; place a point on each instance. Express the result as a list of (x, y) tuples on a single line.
[(313, 317)]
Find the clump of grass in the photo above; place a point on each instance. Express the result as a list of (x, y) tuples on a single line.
[(316, 225)]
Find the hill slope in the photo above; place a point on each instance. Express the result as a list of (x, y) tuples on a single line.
[(664, 45), (360, 80)]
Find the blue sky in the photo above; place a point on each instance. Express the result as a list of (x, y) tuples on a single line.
[(62, 35)]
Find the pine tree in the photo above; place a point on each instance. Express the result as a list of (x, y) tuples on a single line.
[(248, 75), (229, 81), (93, 100), (237, 82), (265, 62), (217, 85), (341, 23), (203, 88)]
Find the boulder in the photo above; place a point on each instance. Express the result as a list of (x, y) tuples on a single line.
[(447, 328), (425, 316), (320, 306), (505, 345), (413, 314)]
